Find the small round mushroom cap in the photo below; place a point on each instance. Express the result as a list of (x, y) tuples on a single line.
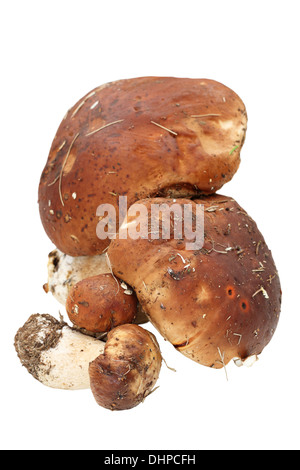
[(65, 271), (99, 303), (151, 136), (126, 373), (213, 304)]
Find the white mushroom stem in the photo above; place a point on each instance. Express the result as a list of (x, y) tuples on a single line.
[(55, 354)]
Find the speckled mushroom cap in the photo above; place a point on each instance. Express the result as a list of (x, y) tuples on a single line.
[(101, 303), (213, 304), (125, 374), (139, 137)]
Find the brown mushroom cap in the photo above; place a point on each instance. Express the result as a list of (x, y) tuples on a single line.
[(213, 304), (99, 303), (139, 137), (125, 374), (65, 271)]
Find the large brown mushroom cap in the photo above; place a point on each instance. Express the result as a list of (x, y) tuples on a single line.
[(213, 304), (139, 137)]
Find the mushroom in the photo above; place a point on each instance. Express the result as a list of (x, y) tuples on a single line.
[(215, 303), (132, 138), (98, 304), (65, 271), (55, 354), (155, 141), (125, 374)]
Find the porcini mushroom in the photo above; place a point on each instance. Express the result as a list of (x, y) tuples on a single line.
[(154, 141), (214, 304), (125, 374), (100, 303), (55, 354), (152, 136), (65, 271)]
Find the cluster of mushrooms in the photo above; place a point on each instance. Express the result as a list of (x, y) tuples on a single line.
[(152, 140)]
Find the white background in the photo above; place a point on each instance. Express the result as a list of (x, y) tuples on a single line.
[(52, 53)]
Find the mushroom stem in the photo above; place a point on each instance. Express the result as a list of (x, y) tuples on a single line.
[(55, 354)]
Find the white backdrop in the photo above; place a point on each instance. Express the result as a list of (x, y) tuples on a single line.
[(52, 53)]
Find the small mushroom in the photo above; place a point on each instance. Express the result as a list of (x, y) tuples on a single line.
[(65, 271), (55, 354), (125, 374), (99, 303)]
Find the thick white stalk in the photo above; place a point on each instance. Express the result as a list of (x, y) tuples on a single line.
[(55, 354)]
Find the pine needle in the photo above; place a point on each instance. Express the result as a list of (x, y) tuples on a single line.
[(82, 103), (165, 128), (222, 362), (111, 271), (170, 368), (205, 115), (104, 127), (63, 167)]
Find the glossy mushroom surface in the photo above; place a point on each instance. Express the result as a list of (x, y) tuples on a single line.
[(142, 137), (215, 303)]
